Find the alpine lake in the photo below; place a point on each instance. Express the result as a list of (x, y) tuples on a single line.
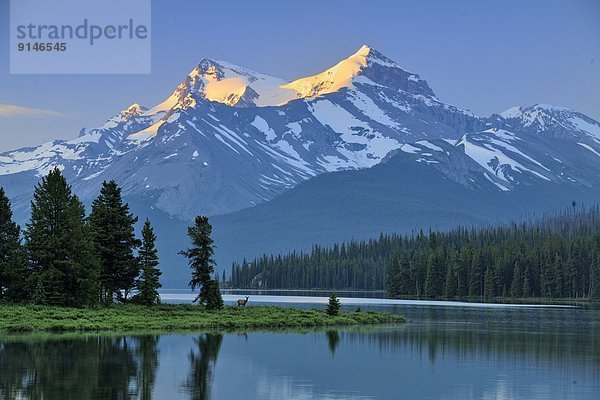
[(446, 350)]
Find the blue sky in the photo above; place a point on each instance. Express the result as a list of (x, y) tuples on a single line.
[(485, 56)]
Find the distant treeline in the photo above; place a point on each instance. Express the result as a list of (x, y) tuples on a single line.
[(556, 257)]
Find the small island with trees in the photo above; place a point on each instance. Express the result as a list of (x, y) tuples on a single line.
[(68, 271)]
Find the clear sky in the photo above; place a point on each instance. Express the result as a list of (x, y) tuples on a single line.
[(485, 56)]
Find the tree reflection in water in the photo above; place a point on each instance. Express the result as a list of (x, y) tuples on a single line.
[(202, 364), (78, 368), (333, 340)]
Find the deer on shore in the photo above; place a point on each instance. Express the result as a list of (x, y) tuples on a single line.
[(242, 302)]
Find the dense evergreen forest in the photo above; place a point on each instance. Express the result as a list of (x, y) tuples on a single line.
[(66, 258), (555, 256)]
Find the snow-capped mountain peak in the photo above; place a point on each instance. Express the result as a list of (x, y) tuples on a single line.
[(513, 112), (335, 78), (556, 121), (366, 66), (209, 69), (133, 110), (226, 83), (240, 137)]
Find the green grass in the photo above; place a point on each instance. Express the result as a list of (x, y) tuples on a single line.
[(132, 318)]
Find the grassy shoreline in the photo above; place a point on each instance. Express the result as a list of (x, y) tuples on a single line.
[(180, 317)]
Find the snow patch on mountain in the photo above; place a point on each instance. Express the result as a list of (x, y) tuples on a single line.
[(42, 158), (362, 146), (368, 107), (429, 145), (263, 126), (593, 129), (496, 159), (586, 146), (407, 148), (146, 134)]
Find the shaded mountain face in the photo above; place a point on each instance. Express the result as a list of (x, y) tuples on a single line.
[(361, 148)]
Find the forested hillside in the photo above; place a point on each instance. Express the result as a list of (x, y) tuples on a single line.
[(557, 256)]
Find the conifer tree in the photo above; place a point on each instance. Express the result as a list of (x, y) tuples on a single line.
[(393, 278), (526, 286), (114, 238), (451, 283), (333, 307), (61, 259), (406, 283), (11, 254), (558, 276), (489, 290), (214, 300), (462, 284), (200, 257), (435, 275), (547, 280), (475, 274), (433, 242), (148, 282), (516, 287)]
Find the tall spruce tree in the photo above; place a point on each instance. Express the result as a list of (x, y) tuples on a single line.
[(406, 283), (114, 237), (62, 263), (148, 282), (452, 277), (434, 282), (516, 287), (215, 299), (475, 275), (11, 254), (200, 257)]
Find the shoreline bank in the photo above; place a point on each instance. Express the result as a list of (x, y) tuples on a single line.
[(176, 317)]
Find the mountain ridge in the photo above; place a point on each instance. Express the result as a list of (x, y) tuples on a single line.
[(353, 127)]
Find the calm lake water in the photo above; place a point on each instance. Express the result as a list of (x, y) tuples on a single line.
[(446, 351)]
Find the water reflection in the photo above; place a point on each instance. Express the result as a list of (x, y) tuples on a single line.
[(333, 340), (147, 356), (203, 359), (78, 368), (460, 354)]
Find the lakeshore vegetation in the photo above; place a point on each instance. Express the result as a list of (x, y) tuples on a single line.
[(70, 272), (176, 317)]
